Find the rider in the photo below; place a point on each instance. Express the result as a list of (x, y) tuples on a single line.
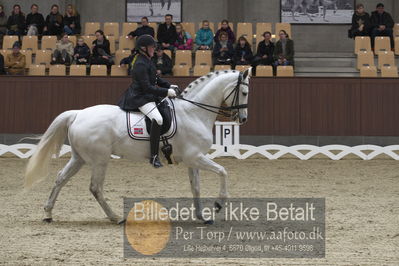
[(146, 91)]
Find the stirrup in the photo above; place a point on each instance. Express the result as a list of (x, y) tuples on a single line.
[(154, 161)]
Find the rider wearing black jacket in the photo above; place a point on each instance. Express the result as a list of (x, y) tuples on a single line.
[(146, 91)]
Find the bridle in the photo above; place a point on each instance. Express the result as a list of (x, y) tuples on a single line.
[(221, 110)]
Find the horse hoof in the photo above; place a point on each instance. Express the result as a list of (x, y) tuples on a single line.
[(218, 207), (48, 220), (123, 221), (209, 222)]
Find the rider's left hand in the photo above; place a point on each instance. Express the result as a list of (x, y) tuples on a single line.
[(176, 88)]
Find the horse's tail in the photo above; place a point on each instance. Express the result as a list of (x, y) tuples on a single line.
[(50, 144)]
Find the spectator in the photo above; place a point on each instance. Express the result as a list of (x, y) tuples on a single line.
[(223, 50), (225, 28), (63, 52), (54, 22), (360, 22), (2, 71), (3, 24), (204, 38), (184, 41), (162, 62), (72, 21), (16, 22), (284, 50), (167, 33), (34, 21), (16, 62), (243, 53), (264, 53), (101, 50), (144, 29), (382, 24), (81, 52)]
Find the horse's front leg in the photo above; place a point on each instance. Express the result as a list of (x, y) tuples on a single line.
[(195, 189), (204, 163)]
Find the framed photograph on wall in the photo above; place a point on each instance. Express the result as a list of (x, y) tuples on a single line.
[(155, 10), (317, 11)]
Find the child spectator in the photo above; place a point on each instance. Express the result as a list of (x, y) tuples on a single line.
[(382, 24), (16, 22), (16, 61), (167, 33), (2, 71), (162, 62), (360, 22), (223, 50), (243, 53), (101, 50), (144, 29), (264, 53), (63, 52), (3, 24), (284, 50), (72, 21), (54, 22), (184, 41), (81, 52), (225, 28), (204, 38), (34, 21)]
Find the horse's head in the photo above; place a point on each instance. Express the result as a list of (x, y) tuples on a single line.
[(238, 97)]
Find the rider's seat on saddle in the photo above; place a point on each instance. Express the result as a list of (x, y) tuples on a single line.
[(139, 126)]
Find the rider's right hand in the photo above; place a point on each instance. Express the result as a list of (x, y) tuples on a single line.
[(172, 93)]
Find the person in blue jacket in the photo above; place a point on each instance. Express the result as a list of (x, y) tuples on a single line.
[(204, 39)]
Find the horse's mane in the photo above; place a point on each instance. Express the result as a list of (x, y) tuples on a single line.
[(204, 80)]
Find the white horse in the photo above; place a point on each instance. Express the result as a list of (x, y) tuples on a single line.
[(98, 132)]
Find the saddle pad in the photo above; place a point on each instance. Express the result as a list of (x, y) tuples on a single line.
[(138, 125)]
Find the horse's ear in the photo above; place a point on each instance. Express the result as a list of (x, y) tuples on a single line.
[(247, 73)]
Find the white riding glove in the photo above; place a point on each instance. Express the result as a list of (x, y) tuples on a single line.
[(172, 93)]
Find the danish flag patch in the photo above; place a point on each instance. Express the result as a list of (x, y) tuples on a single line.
[(138, 131)]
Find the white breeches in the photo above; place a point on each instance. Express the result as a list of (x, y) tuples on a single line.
[(154, 114)]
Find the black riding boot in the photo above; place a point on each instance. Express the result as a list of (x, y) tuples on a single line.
[(154, 143)]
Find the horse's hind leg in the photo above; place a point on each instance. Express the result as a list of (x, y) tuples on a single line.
[(71, 168), (96, 188)]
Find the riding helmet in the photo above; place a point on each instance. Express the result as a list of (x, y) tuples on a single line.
[(145, 40)]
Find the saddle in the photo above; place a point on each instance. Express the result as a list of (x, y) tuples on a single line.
[(139, 126)]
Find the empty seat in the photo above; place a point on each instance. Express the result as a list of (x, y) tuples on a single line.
[(168, 52), (120, 54), (284, 26), (77, 70), (125, 43), (190, 28), (28, 57), (183, 57), (128, 27), (242, 68), (262, 27), (37, 70), (386, 59), (98, 70), (211, 26), (30, 43), (111, 40), (245, 29), (203, 57), (111, 29), (181, 70), (154, 25), (397, 45), (362, 43), (91, 28), (72, 39), (89, 39), (365, 58), (396, 30), (264, 71), (118, 70), (222, 67), (230, 24), (369, 71), (285, 71), (389, 72), (201, 70), (43, 57), (49, 42), (8, 41), (57, 70), (4, 53), (382, 44)]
